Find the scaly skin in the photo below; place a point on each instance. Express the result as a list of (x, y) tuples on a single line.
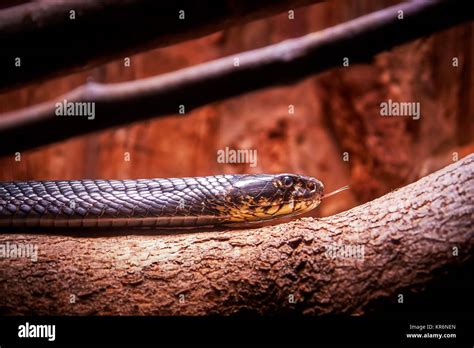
[(157, 203)]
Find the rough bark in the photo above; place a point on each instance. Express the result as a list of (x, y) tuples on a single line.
[(280, 64), (50, 43), (407, 236)]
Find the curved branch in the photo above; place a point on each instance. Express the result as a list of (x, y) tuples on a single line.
[(50, 43), (283, 63), (339, 264)]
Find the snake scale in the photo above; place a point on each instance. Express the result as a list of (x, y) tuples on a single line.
[(157, 203)]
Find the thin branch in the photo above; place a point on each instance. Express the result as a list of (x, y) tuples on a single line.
[(50, 43), (283, 63), (346, 263)]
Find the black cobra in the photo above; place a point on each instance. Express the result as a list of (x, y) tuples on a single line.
[(157, 203)]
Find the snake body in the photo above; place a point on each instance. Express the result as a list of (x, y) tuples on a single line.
[(157, 203)]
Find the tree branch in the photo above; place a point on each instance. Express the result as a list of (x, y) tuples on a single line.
[(339, 264), (50, 43), (284, 63)]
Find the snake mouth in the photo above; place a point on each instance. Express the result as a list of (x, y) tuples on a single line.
[(255, 213)]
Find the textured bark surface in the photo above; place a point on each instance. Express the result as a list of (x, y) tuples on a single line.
[(407, 238)]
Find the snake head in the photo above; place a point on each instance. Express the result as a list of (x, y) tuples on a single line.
[(263, 197)]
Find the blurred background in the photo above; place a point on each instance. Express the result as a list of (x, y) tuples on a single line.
[(335, 134)]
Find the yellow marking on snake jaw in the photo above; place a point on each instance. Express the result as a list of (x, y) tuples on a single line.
[(307, 206), (286, 209), (273, 209)]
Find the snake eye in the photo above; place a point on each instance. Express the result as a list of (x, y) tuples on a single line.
[(311, 186), (287, 181)]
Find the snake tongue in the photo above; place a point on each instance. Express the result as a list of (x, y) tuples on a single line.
[(336, 191)]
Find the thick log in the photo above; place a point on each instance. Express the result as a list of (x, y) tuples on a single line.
[(283, 63), (396, 244), (51, 40)]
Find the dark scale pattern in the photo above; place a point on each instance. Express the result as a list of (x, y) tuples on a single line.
[(144, 202)]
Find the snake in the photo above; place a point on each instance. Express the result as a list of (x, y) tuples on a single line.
[(219, 200)]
